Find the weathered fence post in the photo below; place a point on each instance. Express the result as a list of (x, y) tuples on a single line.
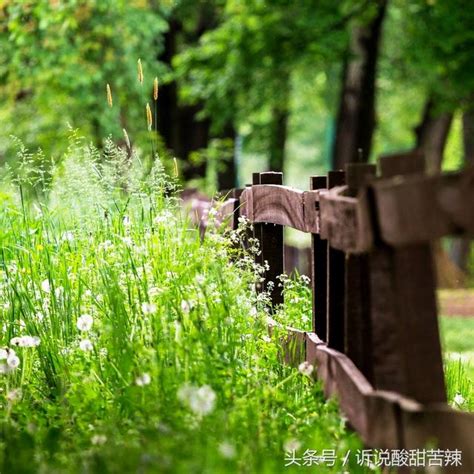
[(335, 282), (406, 347), (257, 233), (236, 193), (272, 246), (319, 252), (357, 324)]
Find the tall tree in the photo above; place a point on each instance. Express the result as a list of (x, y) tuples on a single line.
[(356, 117), (182, 129), (432, 133), (461, 248), (243, 68)]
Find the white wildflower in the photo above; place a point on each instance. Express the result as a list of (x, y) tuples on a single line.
[(185, 306), (127, 241), (154, 291), (67, 236), (200, 400), (58, 292), (45, 286), (267, 338), (143, 379), (200, 279), (84, 322), (253, 311), (3, 354), (98, 439), (14, 395), (458, 400), (86, 345), (227, 450), (25, 341), (13, 360), (291, 445), (126, 221), (306, 368), (106, 245), (148, 308)]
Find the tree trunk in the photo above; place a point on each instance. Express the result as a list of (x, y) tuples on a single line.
[(461, 248), (431, 136), (356, 117), (177, 124), (279, 128), (227, 175)]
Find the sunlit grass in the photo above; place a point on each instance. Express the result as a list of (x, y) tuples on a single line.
[(151, 356)]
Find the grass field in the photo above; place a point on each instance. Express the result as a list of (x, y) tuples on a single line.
[(131, 346)]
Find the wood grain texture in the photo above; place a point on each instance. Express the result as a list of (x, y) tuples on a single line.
[(410, 163), (319, 257), (278, 205), (419, 209), (311, 211), (346, 221), (335, 282), (386, 419), (272, 244)]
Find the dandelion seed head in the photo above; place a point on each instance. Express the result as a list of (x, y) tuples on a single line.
[(148, 308), (85, 322), (143, 379), (459, 400), (25, 341), (45, 286), (98, 439), (86, 345), (292, 444), (306, 368), (227, 450), (13, 361)]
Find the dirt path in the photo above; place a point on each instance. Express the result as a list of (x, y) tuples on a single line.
[(456, 302)]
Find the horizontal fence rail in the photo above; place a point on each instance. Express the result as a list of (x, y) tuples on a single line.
[(375, 340)]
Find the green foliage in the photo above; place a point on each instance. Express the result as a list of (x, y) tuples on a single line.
[(241, 67), (56, 59)]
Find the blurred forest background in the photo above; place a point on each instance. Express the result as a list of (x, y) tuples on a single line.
[(299, 86)]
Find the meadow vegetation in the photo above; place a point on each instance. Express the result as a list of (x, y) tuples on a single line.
[(130, 345)]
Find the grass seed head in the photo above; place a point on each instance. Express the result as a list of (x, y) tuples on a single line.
[(149, 119), (140, 71), (109, 96), (155, 89)]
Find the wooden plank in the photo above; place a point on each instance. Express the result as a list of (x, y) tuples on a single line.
[(371, 415), (417, 209), (278, 205), (398, 164), (443, 428), (346, 221), (225, 211), (335, 282), (294, 347), (357, 323), (408, 211), (386, 419), (311, 210), (404, 321), (272, 245), (319, 251)]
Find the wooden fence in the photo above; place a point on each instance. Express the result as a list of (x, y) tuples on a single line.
[(374, 340)]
